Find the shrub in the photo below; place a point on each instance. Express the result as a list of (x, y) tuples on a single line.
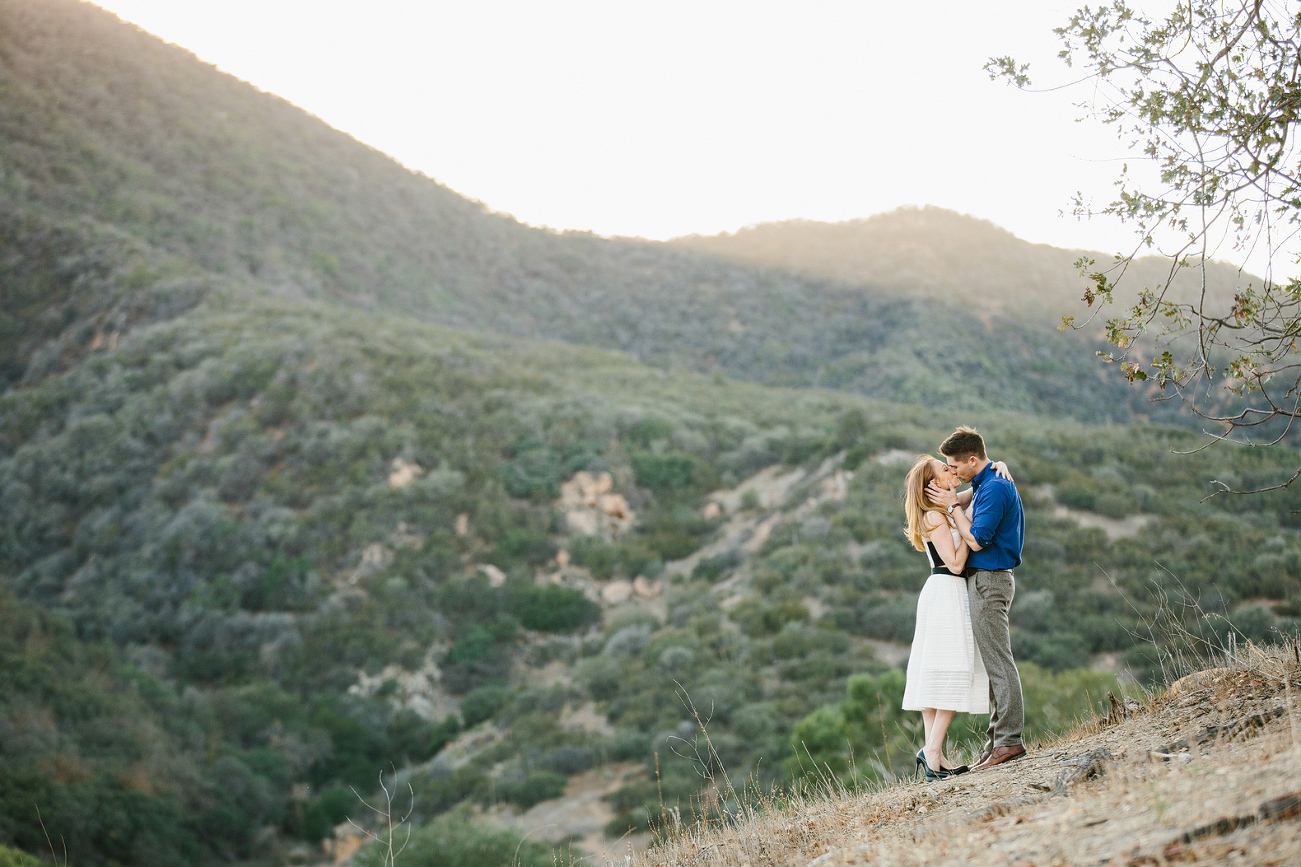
[(594, 554), (851, 427), (460, 840), (358, 739), (648, 430), (713, 568), (284, 586), (550, 651), (873, 705), (632, 617), (676, 659), (473, 647), (666, 473), (637, 559), (1043, 552), (822, 740), (534, 473), (533, 788), (1113, 505), (520, 544), (569, 760), (17, 858), (552, 608), (1056, 700), (462, 677), (671, 542), (484, 703), (1056, 651), (629, 745), (754, 722), (674, 525), (541, 699), (416, 738), (629, 641), (757, 619), (601, 675), (893, 620), (1077, 497), (1255, 622), (470, 600), (332, 807), (439, 789), (634, 821)]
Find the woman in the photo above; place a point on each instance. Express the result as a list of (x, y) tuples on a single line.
[(945, 674)]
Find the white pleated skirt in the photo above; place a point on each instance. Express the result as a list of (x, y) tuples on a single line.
[(945, 670)]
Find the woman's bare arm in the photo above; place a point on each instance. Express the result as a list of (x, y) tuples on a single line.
[(955, 558)]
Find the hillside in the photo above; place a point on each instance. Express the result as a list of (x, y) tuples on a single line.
[(276, 546), (111, 141), (1204, 773), (313, 470), (944, 257)]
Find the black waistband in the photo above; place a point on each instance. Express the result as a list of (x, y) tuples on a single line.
[(944, 570)]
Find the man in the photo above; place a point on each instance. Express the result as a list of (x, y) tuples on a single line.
[(994, 533)]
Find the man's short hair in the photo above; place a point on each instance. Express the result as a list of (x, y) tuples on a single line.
[(963, 443)]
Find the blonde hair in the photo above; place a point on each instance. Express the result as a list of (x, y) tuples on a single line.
[(916, 503)]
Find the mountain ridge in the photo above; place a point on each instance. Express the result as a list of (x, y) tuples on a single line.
[(104, 125), (942, 254), (288, 478)]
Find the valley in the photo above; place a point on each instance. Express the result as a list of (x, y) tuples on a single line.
[(318, 477)]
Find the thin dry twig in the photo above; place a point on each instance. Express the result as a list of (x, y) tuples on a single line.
[(386, 814), (63, 842)]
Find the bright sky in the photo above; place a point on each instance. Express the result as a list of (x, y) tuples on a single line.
[(663, 118)]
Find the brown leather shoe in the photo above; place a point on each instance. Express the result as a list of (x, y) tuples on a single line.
[(1000, 755)]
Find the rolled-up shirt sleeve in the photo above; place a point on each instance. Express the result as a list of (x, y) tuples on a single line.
[(988, 507)]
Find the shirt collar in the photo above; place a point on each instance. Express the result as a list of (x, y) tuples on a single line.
[(982, 476)]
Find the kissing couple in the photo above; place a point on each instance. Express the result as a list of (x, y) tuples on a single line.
[(961, 659)]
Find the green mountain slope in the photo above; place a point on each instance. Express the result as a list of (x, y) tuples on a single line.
[(107, 132), (289, 490), (271, 526)]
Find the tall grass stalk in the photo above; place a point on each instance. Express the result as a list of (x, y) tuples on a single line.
[(385, 815)]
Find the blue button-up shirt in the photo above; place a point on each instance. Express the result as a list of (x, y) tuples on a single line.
[(997, 522)]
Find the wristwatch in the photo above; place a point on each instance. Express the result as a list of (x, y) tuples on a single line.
[(951, 508)]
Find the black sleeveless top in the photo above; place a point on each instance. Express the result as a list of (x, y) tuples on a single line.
[(937, 563)]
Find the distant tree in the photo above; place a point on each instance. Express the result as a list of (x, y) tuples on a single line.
[(1211, 94)]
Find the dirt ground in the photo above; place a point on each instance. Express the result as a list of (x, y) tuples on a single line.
[(580, 817), (1136, 789)]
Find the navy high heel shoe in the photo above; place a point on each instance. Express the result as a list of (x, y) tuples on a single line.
[(931, 774)]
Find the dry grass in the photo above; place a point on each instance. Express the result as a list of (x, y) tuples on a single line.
[(1141, 809)]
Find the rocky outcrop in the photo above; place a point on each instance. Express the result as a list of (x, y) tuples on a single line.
[(591, 508), (616, 592), (402, 473)]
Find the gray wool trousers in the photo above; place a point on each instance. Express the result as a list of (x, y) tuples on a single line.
[(990, 597)]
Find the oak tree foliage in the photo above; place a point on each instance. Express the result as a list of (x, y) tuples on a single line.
[(1210, 94)]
